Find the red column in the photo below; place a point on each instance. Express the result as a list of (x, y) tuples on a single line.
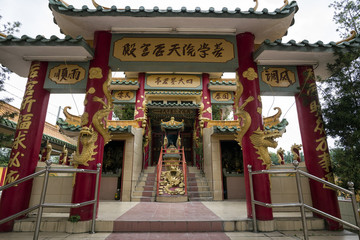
[(248, 77), (316, 152), (26, 146), (140, 98), (140, 114), (206, 98), (98, 74)]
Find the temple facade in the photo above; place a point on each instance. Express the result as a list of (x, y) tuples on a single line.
[(173, 114)]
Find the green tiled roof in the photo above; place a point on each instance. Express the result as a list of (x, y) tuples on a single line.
[(120, 129), (66, 126), (124, 82), (174, 92), (280, 126), (305, 46), (41, 40), (70, 127), (174, 105), (58, 142), (172, 127), (226, 129), (7, 123), (12, 125), (169, 12), (226, 83)]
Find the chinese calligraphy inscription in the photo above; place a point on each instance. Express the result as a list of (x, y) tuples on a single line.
[(67, 74), (173, 50)]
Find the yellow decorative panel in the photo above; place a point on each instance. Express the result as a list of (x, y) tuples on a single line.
[(67, 74), (175, 81), (212, 50)]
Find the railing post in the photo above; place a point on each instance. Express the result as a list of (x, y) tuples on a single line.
[(301, 200), (252, 197), (42, 200), (355, 207), (92, 231)]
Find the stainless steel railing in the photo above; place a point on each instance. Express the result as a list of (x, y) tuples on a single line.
[(301, 203), (42, 203)]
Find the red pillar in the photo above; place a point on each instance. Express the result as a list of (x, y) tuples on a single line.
[(248, 77), (206, 98), (140, 98), (140, 115), (98, 74), (26, 146), (316, 152)]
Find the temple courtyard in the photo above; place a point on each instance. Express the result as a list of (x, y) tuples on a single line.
[(191, 220)]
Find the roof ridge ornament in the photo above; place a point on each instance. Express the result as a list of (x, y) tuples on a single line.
[(256, 5), (3, 35), (65, 3), (353, 34), (97, 5), (286, 2)]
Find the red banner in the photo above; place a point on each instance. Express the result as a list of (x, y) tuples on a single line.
[(26, 146), (316, 151)]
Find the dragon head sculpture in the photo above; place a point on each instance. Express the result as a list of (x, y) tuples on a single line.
[(261, 140), (87, 138)]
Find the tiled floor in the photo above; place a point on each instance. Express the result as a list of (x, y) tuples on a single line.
[(198, 211), (277, 235)]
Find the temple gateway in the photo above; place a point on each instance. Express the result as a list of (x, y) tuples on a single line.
[(172, 129)]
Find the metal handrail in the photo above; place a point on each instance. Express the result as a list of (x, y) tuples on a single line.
[(184, 169), (42, 203), (159, 167), (301, 203)]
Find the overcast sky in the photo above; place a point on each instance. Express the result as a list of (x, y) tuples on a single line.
[(313, 22)]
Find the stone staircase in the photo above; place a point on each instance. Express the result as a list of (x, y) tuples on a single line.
[(145, 189), (198, 187)]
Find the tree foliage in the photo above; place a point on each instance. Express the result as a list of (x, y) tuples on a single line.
[(124, 111), (341, 98), (346, 15), (5, 29)]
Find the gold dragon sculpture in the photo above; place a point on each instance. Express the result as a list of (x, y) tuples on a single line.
[(295, 150), (101, 116), (172, 181), (87, 138), (280, 155), (262, 140), (244, 116)]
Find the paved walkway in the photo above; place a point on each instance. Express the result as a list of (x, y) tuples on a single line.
[(277, 235), (204, 211)]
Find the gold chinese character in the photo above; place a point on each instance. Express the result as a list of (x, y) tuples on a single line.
[(319, 126), (313, 106), (27, 103), (14, 161), (325, 161), (330, 178), (34, 70), (19, 140), (25, 121), (12, 176), (322, 146)]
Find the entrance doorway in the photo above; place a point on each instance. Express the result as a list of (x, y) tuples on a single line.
[(111, 170), (232, 170)]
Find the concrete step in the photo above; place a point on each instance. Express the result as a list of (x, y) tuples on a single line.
[(61, 224), (142, 199), (198, 188), (144, 193)]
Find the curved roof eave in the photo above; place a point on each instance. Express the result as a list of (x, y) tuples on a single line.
[(17, 53), (295, 53), (263, 24)]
